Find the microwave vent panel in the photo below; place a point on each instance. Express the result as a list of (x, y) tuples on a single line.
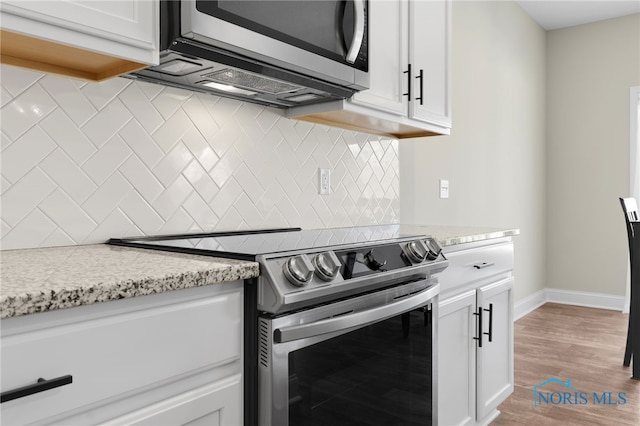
[(238, 78)]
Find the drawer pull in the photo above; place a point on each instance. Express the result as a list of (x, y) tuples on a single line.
[(483, 265), (41, 386)]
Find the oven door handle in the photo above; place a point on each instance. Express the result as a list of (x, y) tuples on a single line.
[(356, 319)]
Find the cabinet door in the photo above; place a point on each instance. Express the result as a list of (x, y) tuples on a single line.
[(388, 58), (429, 50), (495, 358), (114, 352), (456, 360), (217, 404), (122, 28)]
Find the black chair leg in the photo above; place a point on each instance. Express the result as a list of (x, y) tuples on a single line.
[(635, 344), (634, 334), (628, 351), (634, 314)]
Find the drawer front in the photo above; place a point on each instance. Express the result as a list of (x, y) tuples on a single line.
[(475, 264), (117, 354)]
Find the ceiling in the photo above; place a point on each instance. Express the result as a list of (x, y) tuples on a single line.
[(556, 14)]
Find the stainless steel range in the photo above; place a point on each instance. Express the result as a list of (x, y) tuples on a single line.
[(340, 325)]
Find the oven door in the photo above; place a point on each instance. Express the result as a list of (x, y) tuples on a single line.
[(326, 39), (366, 360)]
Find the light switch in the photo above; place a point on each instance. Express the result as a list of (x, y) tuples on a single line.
[(444, 188)]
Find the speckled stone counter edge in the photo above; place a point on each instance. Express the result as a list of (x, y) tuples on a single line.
[(42, 292), (452, 235), (462, 239), (43, 301)]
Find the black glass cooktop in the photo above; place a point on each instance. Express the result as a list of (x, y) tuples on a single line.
[(249, 244)]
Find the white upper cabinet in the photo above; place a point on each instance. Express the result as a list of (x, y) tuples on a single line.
[(409, 68), (431, 99), (388, 58), (93, 40)]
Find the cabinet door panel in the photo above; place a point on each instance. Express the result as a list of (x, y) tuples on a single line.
[(430, 35), (456, 360), (115, 354), (130, 22), (387, 58), (125, 29), (495, 358), (213, 405)]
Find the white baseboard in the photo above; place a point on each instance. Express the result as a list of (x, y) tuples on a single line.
[(567, 297), (529, 304), (581, 298)]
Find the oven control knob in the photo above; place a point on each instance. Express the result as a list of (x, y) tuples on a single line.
[(372, 262), (416, 251), (327, 265), (433, 247), (298, 270)]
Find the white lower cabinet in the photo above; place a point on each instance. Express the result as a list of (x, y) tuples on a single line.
[(171, 358), (475, 376), (494, 372), (457, 360), (212, 405)]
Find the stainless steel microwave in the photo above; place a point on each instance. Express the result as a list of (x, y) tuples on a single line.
[(280, 53)]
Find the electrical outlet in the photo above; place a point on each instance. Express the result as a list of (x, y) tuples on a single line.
[(444, 188), (325, 181)]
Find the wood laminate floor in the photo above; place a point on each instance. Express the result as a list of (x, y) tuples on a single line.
[(584, 345)]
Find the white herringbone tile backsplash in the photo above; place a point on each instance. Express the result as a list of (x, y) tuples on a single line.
[(83, 162)]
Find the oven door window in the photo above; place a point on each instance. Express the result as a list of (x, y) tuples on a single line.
[(377, 375)]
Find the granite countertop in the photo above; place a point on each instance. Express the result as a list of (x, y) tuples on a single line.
[(39, 280), (452, 235)]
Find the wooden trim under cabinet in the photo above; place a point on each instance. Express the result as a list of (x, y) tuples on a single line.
[(42, 55), (348, 115)]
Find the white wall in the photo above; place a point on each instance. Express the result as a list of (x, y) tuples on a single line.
[(590, 70), (83, 162), (495, 157)]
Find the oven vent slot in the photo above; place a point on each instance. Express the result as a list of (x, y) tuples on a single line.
[(265, 343)]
